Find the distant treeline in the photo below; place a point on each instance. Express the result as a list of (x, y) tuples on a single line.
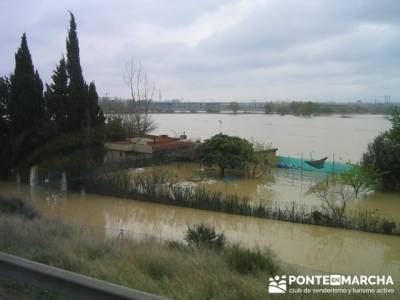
[(315, 108), (121, 106)]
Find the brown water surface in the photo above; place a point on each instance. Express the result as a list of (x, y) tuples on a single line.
[(321, 136), (317, 249)]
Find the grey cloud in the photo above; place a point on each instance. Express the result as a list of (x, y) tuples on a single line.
[(324, 50)]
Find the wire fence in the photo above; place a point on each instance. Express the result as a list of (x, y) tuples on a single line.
[(299, 169), (297, 176)]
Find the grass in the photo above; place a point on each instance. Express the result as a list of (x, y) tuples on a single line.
[(246, 261), (159, 187)]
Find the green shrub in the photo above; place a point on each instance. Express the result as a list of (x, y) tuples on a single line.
[(383, 155), (316, 216), (16, 206), (246, 261), (388, 226), (203, 236)]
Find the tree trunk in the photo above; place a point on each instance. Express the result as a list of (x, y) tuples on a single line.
[(222, 172)]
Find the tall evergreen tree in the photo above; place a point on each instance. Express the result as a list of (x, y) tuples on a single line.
[(26, 105), (95, 117), (4, 98), (57, 100), (4, 126), (77, 87), (85, 111), (83, 139), (73, 59)]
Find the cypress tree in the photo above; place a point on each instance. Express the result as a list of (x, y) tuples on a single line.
[(95, 117), (85, 126), (4, 126), (4, 98), (56, 96), (83, 99), (77, 88), (26, 104)]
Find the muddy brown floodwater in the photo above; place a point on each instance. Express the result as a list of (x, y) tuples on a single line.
[(313, 248), (321, 136)]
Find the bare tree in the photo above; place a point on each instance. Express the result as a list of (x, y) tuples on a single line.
[(362, 179), (335, 197), (132, 78), (142, 91)]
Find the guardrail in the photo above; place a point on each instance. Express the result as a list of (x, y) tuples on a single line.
[(67, 283)]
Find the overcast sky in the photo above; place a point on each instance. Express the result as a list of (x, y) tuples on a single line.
[(341, 50)]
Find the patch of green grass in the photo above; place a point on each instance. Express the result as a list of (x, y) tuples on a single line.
[(246, 261)]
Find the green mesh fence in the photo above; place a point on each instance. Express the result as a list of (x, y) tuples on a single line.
[(287, 162)]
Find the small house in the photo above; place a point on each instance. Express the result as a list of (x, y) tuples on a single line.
[(144, 146)]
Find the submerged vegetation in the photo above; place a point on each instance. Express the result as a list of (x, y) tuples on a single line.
[(159, 187), (362, 179), (226, 152), (233, 152)]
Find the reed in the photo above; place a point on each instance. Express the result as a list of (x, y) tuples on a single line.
[(159, 187)]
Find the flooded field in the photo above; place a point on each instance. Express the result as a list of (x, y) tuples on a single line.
[(276, 186), (318, 249), (321, 136), (341, 139)]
